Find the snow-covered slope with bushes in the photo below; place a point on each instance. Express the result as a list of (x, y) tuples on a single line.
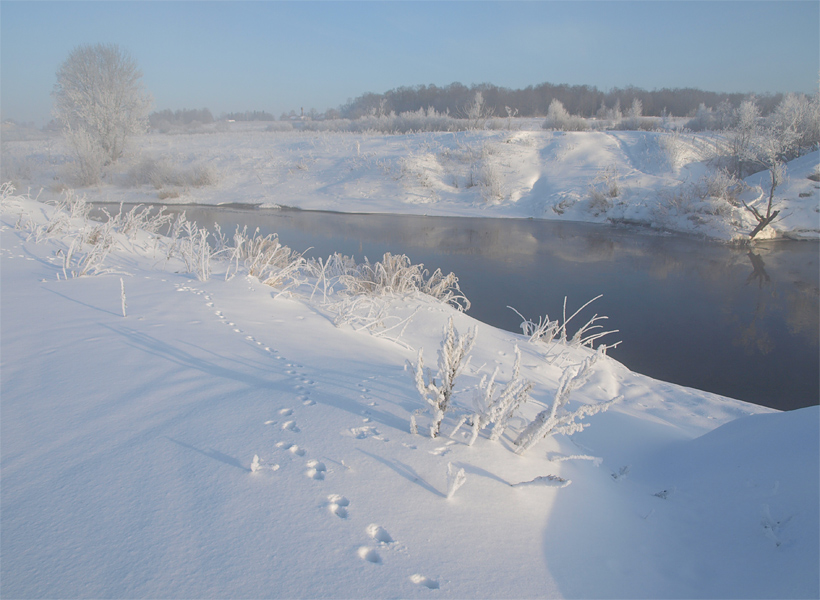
[(661, 179), (164, 434)]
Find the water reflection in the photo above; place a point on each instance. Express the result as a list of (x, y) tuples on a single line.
[(737, 322)]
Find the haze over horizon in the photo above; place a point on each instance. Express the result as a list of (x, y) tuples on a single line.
[(281, 56)]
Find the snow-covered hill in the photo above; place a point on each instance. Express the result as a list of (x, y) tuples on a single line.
[(225, 440)]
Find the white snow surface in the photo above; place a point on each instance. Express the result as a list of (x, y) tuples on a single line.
[(225, 440), (657, 179)]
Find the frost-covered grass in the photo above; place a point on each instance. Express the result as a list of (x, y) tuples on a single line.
[(215, 437)]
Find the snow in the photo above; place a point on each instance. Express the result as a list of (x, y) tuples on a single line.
[(226, 440), (655, 179)]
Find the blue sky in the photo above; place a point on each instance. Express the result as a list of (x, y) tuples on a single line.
[(278, 56)]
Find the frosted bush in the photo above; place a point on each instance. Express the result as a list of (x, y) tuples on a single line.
[(722, 185), (490, 183), (265, 258), (556, 418), (547, 331), (81, 264), (328, 272), (559, 118), (397, 275), (421, 120), (673, 148), (494, 407), (161, 172), (603, 190), (437, 390)]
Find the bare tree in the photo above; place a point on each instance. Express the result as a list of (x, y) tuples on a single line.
[(99, 98)]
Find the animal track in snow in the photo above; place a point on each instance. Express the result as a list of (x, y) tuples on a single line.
[(361, 433), (425, 581), (338, 505), (286, 412), (316, 470), (379, 534), (297, 450), (290, 426), (370, 555)]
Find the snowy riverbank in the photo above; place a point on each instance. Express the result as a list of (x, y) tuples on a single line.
[(663, 180), (226, 440)]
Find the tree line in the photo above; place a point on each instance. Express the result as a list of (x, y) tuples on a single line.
[(534, 101)]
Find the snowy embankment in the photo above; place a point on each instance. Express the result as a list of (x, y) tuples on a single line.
[(223, 439), (663, 180)]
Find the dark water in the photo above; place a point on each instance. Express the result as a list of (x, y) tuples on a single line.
[(740, 323)]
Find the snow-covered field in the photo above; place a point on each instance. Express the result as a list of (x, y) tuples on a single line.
[(166, 436), (661, 179)]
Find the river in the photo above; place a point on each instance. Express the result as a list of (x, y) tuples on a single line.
[(741, 322)]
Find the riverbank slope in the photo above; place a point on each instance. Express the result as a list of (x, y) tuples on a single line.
[(665, 180), (169, 435)]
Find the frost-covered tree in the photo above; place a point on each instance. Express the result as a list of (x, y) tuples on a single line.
[(100, 100), (478, 112), (742, 136)]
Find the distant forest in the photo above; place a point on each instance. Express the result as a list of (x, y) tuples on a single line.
[(534, 101), (453, 99)]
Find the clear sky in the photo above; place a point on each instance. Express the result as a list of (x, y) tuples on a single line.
[(278, 56)]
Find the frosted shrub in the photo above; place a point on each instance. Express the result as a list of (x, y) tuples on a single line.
[(722, 185), (559, 118), (490, 185), (422, 120), (160, 173), (16, 168), (265, 258), (609, 117), (438, 391), (397, 275), (329, 272), (603, 190), (496, 408), (477, 113), (139, 218), (557, 419), (673, 148), (547, 331), (90, 263), (72, 205), (195, 251), (544, 330), (68, 207)]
